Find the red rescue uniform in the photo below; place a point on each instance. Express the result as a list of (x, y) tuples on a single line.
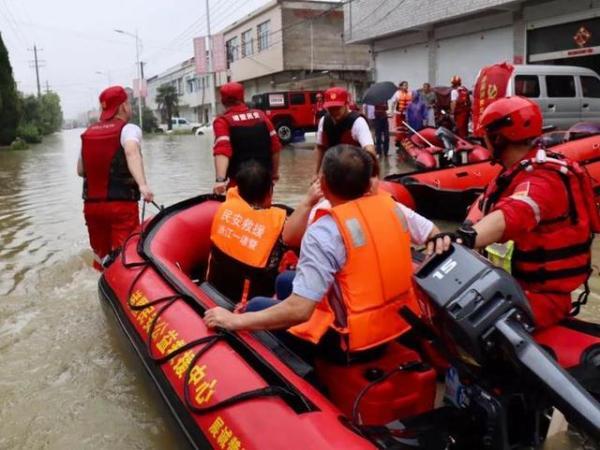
[(340, 132), (109, 191), (243, 134), (546, 210), (462, 109)]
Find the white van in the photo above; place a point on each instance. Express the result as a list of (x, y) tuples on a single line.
[(566, 94)]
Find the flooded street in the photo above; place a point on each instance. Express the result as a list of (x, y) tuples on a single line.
[(68, 380)]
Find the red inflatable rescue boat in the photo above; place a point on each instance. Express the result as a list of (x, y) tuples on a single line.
[(247, 390), (448, 193), (243, 390)]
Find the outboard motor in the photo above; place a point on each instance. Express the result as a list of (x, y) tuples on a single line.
[(508, 382), (449, 139)]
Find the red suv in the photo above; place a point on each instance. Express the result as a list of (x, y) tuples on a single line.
[(289, 111)]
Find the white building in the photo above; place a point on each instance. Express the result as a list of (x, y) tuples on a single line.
[(431, 40), (196, 92)]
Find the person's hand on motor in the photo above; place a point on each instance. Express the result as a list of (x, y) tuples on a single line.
[(439, 243), (220, 318), (146, 193)]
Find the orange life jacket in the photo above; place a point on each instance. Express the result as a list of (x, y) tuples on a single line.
[(404, 98), (243, 241), (375, 282)]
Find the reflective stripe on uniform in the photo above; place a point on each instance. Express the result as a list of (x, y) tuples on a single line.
[(222, 138), (272, 133), (356, 232), (531, 202)]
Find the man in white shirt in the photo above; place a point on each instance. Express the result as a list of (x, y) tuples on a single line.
[(113, 175), (341, 125)]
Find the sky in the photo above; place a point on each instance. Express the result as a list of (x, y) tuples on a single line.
[(82, 53)]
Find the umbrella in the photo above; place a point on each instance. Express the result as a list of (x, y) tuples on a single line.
[(379, 93)]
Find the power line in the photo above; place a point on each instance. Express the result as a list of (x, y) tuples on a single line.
[(10, 20), (370, 15)]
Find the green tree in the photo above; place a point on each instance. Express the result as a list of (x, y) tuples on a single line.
[(149, 123), (168, 102), (51, 115), (9, 102)]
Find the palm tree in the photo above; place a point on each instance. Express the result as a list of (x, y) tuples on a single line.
[(168, 102)]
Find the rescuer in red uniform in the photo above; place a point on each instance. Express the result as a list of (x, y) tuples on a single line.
[(113, 175), (460, 106), (341, 125), (542, 202), (242, 134)]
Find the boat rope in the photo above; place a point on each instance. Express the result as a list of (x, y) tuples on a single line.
[(268, 391), (207, 341)]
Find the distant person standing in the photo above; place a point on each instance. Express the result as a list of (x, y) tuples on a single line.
[(242, 134), (429, 98), (319, 108), (416, 112), (400, 102), (460, 106), (113, 175), (382, 129)]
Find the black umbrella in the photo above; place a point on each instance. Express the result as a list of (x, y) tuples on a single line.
[(379, 93)]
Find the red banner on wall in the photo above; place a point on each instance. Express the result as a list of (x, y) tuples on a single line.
[(491, 85), (217, 45), (200, 55)]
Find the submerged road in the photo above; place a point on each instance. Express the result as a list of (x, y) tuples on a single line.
[(68, 380)]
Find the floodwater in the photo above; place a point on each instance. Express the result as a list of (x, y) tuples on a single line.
[(68, 380)]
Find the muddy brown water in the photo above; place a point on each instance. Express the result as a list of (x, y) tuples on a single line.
[(68, 380)]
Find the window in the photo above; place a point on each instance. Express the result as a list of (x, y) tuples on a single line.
[(297, 98), (527, 85), (232, 48), (247, 47), (182, 121), (591, 87), (192, 84), (263, 35), (179, 86), (560, 85)]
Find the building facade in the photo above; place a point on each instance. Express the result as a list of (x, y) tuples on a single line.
[(295, 45), (196, 92), (432, 40)]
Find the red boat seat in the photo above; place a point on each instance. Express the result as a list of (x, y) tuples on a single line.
[(404, 394), (575, 344)]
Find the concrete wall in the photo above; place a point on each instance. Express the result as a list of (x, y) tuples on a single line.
[(369, 19), (318, 44)]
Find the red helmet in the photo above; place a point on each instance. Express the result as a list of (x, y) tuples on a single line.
[(232, 93), (514, 118), (455, 81)]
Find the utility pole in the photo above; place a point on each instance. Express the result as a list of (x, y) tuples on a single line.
[(47, 87), (140, 78), (212, 77), (139, 69), (37, 64)]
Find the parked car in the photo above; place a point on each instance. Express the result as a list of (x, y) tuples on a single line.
[(180, 124), (566, 94), (289, 111)]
